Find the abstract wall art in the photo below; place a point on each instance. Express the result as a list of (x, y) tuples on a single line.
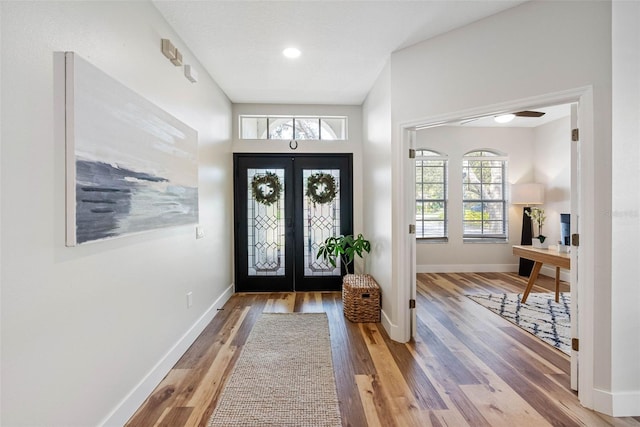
[(131, 166)]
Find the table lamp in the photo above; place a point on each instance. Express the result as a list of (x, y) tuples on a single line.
[(526, 195)]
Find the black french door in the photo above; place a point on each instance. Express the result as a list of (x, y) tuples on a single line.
[(285, 207)]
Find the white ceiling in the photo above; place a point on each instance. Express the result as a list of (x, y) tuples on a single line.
[(345, 44)]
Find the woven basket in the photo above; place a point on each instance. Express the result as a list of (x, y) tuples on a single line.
[(361, 298)]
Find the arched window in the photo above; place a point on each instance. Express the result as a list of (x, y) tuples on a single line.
[(431, 195), (483, 195)]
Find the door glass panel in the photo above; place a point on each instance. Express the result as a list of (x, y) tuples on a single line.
[(280, 128), (333, 129), (307, 129), (266, 222), (254, 128), (321, 212)]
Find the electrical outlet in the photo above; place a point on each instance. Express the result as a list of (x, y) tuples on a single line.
[(189, 299)]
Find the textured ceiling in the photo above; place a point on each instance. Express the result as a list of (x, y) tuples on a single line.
[(344, 44)]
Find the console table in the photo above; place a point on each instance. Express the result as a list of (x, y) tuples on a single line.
[(539, 257)]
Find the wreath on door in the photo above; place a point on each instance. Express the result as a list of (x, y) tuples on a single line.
[(321, 188), (266, 188)]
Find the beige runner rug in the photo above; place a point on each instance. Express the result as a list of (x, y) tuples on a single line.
[(283, 377)]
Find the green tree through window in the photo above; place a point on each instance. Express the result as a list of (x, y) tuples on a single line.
[(431, 195), (484, 205)]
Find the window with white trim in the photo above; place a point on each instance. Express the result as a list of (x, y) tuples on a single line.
[(431, 195), (483, 196), (325, 128)]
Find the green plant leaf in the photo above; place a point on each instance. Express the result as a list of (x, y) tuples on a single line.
[(343, 247)]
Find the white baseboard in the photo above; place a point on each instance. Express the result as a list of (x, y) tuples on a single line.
[(626, 404), (551, 272), (388, 326), (602, 401), (623, 404), (130, 404), (486, 268), (466, 268)]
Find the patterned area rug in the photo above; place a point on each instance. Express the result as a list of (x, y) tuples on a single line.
[(283, 377), (541, 315)]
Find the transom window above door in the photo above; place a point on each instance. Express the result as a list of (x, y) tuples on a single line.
[(320, 128)]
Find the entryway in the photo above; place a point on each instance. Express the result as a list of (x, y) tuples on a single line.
[(285, 207), (582, 106)]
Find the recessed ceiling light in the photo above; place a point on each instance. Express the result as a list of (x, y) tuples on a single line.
[(291, 52), (505, 118)]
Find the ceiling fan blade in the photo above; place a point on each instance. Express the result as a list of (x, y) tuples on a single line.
[(529, 114), (464, 122)]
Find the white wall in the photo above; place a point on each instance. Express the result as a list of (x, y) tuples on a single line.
[(505, 58), (454, 255), (83, 326), (625, 292), (378, 190), (552, 167)]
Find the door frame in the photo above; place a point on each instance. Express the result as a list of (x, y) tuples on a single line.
[(294, 164), (586, 205)]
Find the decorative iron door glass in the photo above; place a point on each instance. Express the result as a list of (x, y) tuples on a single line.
[(286, 206), (265, 222), (321, 208)]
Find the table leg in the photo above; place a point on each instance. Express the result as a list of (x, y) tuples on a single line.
[(532, 279), (557, 284)]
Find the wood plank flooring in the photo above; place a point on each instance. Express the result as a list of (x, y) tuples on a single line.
[(466, 367)]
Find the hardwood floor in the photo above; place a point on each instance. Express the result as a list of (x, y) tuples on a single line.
[(467, 367)]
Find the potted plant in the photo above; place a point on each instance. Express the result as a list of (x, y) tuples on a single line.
[(537, 216), (343, 247), (361, 295)]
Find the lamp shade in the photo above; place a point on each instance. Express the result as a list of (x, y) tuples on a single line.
[(527, 194)]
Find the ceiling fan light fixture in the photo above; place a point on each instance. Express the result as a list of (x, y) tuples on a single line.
[(291, 52), (504, 118)]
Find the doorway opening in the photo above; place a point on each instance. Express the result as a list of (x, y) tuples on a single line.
[(285, 208), (571, 204)]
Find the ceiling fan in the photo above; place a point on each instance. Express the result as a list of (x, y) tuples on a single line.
[(508, 116), (528, 113)]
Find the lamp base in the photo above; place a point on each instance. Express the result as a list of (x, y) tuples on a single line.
[(526, 265)]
